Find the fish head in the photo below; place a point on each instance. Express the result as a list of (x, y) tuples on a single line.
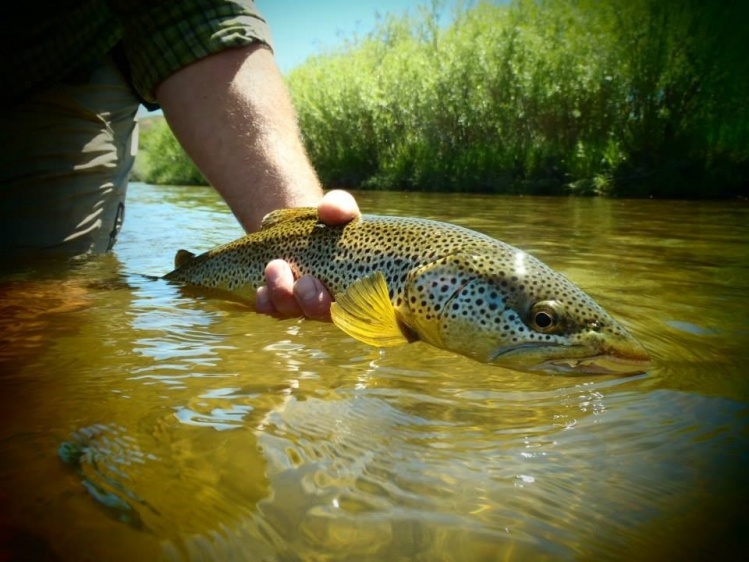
[(509, 309)]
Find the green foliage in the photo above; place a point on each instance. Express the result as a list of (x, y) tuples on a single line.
[(162, 160), (589, 97), (645, 97)]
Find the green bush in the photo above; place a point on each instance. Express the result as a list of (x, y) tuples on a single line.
[(646, 97), (589, 97), (162, 160)]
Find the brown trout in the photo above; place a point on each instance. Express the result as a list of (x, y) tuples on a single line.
[(398, 280)]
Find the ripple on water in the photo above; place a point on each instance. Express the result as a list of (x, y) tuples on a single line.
[(230, 436), (359, 459)]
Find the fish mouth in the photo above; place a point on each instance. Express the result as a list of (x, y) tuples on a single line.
[(570, 360), (599, 365)]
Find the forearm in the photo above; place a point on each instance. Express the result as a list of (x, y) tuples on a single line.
[(232, 114)]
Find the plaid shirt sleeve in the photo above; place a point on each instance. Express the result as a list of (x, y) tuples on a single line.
[(45, 42), (161, 37)]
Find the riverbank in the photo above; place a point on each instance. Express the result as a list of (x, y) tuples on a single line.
[(645, 99)]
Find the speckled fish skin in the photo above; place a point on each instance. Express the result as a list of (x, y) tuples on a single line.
[(452, 287)]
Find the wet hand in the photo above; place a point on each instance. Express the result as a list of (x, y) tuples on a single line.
[(282, 295)]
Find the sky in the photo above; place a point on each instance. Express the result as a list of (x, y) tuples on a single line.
[(301, 29)]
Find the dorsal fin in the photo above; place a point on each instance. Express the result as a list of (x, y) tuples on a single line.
[(182, 257), (284, 215)]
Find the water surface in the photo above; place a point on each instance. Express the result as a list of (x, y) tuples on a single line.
[(140, 422)]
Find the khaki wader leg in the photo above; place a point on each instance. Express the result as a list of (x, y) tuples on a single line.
[(65, 159)]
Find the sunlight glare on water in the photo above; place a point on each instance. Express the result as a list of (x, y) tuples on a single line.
[(142, 422)]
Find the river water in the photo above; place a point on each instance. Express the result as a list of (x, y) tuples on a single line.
[(138, 422)]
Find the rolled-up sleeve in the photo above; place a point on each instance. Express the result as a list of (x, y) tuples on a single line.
[(161, 37)]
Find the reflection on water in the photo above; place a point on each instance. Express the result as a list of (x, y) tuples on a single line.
[(139, 422)]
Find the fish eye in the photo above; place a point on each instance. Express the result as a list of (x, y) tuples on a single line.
[(545, 317)]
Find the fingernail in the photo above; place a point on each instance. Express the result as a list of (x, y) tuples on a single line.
[(262, 298), (306, 289)]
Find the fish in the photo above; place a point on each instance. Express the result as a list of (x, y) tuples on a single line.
[(397, 280)]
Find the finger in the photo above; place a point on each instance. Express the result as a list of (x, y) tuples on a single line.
[(338, 207), (263, 304), (313, 298), (280, 282)]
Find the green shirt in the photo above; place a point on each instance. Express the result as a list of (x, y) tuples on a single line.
[(50, 41)]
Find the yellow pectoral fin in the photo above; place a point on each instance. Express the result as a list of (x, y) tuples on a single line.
[(364, 312)]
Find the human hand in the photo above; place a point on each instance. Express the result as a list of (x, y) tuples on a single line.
[(281, 295)]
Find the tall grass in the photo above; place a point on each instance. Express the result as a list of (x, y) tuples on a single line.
[(162, 160), (636, 98), (645, 97)]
